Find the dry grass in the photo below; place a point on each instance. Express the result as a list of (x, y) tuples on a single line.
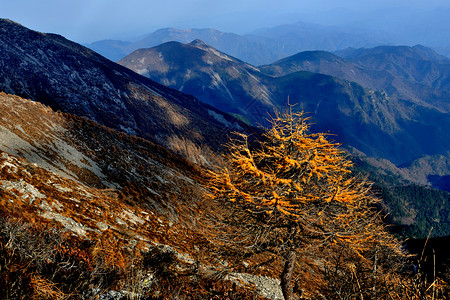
[(158, 201)]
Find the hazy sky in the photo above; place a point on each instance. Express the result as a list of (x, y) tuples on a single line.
[(91, 20)]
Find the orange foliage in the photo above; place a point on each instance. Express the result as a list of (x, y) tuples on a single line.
[(294, 191), (44, 289), (298, 176)]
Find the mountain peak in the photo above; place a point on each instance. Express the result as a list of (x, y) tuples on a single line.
[(199, 44)]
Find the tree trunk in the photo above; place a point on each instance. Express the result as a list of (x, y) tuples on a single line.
[(286, 276)]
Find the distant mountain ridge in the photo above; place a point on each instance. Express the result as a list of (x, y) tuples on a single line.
[(373, 121), (418, 64), (239, 46), (260, 47)]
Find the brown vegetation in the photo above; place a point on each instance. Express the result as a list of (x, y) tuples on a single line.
[(142, 237)]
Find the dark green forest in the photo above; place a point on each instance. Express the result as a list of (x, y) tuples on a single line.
[(420, 207)]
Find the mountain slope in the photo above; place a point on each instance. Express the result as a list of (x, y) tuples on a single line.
[(198, 69), (372, 121), (418, 64), (75, 191), (88, 153), (84, 160), (68, 77)]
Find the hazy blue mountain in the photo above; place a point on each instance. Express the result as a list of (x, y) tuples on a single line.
[(288, 39), (411, 26), (260, 47), (247, 49), (328, 30), (396, 25), (112, 49)]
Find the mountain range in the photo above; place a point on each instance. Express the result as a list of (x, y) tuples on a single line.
[(380, 128), (266, 45), (380, 112), (98, 161), (76, 80), (416, 72), (259, 47), (81, 185)]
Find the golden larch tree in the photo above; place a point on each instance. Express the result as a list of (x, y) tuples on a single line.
[(294, 189)]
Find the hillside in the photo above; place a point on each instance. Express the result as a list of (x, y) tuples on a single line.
[(73, 79), (375, 122), (101, 197)]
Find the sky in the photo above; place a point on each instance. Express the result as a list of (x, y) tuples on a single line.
[(86, 21)]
